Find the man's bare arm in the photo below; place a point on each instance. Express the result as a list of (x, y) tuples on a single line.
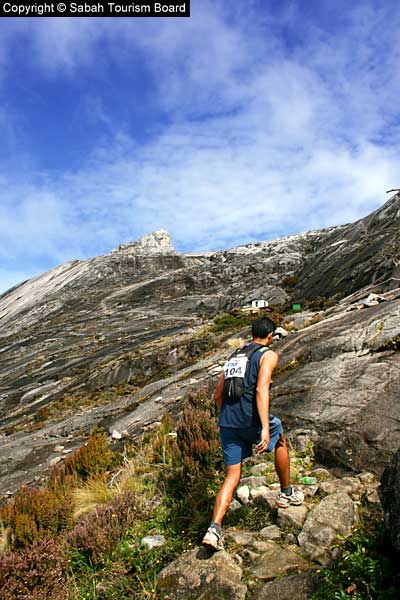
[(268, 363), (218, 394)]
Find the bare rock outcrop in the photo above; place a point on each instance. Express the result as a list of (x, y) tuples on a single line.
[(340, 378), (158, 242), (389, 493), (276, 561)]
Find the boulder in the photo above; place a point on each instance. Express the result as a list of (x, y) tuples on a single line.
[(243, 494), (321, 474), (259, 468), (276, 561), (349, 485), (264, 497), (253, 482), (335, 515), (238, 536), (234, 505), (299, 586), (367, 478), (389, 493), (292, 516), (199, 575), (153, 541), (271, 532)]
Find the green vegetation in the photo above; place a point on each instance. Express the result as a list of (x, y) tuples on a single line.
[(362, 572), (291, 365), (290, 281), (229, 322), (253, 518), (235, 321), (167, 486), (390, 344)]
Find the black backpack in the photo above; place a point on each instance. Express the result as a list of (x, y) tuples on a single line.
[(235, 370)]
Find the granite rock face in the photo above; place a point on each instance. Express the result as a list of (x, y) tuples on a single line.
[(277, 561), (339, 379), (158, 242), (355, 255), (389, 493)]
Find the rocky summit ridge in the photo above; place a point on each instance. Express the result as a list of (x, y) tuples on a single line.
[(115, 339), (157, 242)]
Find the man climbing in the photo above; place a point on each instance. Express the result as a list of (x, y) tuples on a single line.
[(242, 397)]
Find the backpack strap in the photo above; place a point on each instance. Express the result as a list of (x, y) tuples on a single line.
[(252, 351)]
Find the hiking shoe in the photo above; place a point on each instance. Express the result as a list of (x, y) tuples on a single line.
[(212, 539), (295, 499)]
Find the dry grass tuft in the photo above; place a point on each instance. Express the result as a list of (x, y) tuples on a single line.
[(95, 492), (128, 480), (5, 538), (234, 343)]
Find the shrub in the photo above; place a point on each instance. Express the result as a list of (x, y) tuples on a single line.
[(227, 322), (91, 459), (290, 281), (191, 488), (362, 571), (35, 573), (97, 535), (36, 513), (198, 440)]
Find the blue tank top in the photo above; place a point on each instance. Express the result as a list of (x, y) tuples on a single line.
[(243, 413)]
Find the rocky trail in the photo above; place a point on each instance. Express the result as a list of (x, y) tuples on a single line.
[(281, 559)]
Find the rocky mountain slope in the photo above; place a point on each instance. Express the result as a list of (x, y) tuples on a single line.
[(134, 321)]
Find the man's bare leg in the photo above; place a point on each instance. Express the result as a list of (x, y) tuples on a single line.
[(288, 495), (282, 462), (213, 537), (225, 494)]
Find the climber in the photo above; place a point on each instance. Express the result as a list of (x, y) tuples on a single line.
[(242, 397)]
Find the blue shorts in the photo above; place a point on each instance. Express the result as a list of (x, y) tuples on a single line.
[(237, 444)]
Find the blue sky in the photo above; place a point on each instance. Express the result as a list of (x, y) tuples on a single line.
[(251, 120)]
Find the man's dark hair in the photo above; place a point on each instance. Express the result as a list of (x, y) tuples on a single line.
[(262, 327)]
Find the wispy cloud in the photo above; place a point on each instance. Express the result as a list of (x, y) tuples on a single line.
[(267, 124)]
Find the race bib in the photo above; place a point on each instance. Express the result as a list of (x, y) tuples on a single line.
[(235, 367)]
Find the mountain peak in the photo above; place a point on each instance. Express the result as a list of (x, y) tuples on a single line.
[(157, 242)]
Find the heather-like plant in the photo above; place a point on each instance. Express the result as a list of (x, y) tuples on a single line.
[(91, 459), (97, 535), (34, 573), (191, 489), (198, 440), (36, 513)]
